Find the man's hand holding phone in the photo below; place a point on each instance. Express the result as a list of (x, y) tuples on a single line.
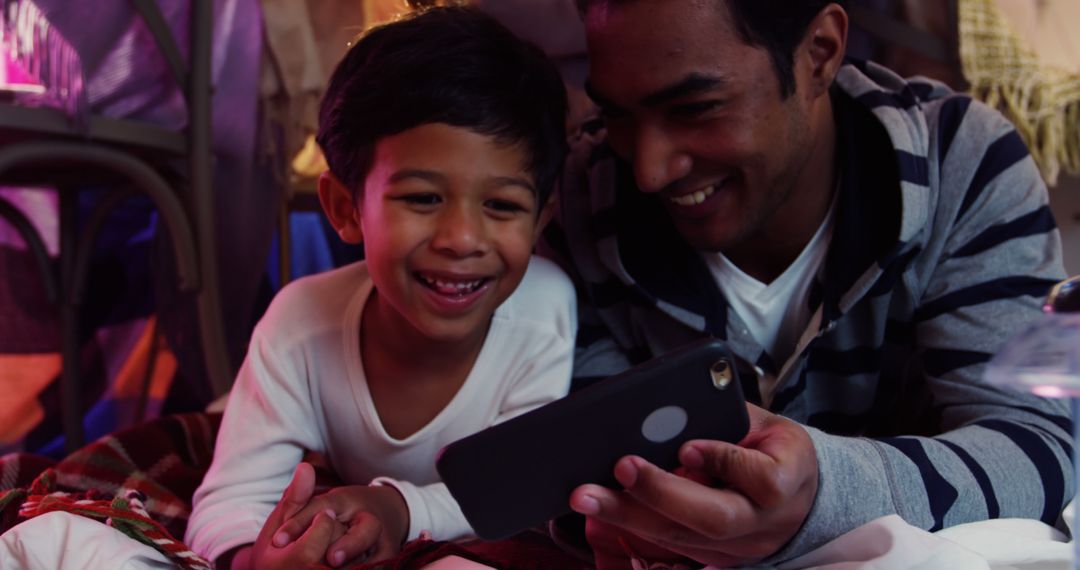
[(521, 473), (733, 504)]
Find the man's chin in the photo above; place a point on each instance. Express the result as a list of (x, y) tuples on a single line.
[(701, 239), (714, 232)]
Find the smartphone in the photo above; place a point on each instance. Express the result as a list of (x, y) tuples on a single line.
[(520, 473)]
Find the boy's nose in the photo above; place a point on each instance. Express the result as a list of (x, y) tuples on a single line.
[(461, 232)]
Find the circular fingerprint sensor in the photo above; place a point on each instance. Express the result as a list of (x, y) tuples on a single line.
[(664, 424)]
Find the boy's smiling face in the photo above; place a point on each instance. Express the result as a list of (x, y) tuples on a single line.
[(448, 218)]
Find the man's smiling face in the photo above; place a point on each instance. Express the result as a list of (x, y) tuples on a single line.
[(699, 114)]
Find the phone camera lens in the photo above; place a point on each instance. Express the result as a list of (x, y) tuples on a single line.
[(721, 374)]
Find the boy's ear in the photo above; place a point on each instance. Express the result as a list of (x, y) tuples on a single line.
[(545, 216), (343, 213)]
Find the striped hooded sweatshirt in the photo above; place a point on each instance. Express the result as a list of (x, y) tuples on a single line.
[(943, 248)]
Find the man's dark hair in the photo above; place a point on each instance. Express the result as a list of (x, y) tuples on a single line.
[(777, 26), (443, 65)]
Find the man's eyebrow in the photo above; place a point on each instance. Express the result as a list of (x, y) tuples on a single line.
[(597, 98), (692, 84)]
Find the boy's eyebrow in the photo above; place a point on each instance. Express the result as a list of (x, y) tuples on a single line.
[(406, 173), (502, 181), (437, 178), (691, 84)]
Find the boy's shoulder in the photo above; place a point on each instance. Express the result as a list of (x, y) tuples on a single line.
[(316, 301), (545, 295)]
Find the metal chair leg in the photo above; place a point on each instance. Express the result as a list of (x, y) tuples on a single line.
[(284, 246), (35, 245), (215, 349), (70, 345)]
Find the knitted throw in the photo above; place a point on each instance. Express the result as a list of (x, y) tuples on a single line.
[(124, 512), (1042, 102)]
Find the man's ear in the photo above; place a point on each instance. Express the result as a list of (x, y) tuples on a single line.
[(545, 216), (343, 213), (825, 44)]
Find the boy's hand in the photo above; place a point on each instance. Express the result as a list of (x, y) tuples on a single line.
[(377, 519), (310, 548)]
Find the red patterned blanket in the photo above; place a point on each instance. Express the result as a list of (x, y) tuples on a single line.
[(141, 480)]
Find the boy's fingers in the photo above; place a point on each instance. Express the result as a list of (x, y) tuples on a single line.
[(313, 543), (296, 496), (298, 523), (361, 538), (303, 478), (299, 491)]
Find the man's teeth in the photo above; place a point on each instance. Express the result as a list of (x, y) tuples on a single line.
[(452, 286), (694, 198)]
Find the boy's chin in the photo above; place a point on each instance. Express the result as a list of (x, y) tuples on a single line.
[(457, 331)]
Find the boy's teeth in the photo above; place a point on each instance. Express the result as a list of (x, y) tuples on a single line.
[(694, 198), (453, 286)]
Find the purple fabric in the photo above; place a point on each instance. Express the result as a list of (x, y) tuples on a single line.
[(127, 77), (36, 53)]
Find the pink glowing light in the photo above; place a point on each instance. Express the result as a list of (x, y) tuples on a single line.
[(1049, 392)]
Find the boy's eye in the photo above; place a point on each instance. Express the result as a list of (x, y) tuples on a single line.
[(505, 206), (421, 199)]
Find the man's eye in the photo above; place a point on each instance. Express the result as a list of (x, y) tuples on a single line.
[(694, 109), (610, 113)]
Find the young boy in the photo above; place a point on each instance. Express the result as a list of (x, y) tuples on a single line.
[(444, 135)]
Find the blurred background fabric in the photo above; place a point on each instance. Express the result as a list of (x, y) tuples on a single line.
[(138, 333), (1023, 58), (1019, 56)]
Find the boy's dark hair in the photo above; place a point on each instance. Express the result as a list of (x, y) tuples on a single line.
[(443, 65), (777, 26)]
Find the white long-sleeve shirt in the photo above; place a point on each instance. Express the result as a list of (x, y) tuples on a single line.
[(302, 387)]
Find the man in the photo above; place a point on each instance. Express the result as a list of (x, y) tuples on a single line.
[(866, 242)]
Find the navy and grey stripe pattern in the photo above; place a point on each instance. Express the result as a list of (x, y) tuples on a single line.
[(943, 248)]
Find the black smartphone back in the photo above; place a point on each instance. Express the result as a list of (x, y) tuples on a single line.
[(520, 473)]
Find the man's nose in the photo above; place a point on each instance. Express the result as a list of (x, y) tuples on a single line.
[(658, 159), (461, 232)]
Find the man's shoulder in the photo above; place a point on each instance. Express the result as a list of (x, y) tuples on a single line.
[(940, 137), (876, 86), (918, 103)]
